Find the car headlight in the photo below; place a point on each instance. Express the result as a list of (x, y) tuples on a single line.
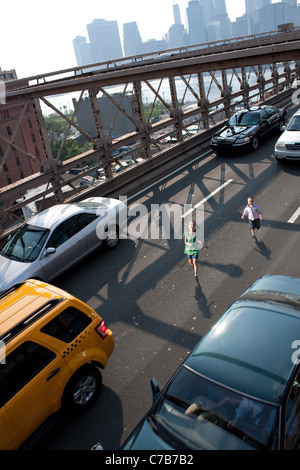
[(280, 146), (243, 140)]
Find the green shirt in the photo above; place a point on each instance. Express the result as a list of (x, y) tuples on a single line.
[(194, 249)]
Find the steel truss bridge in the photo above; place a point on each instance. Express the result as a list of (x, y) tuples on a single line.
[(196, 89)]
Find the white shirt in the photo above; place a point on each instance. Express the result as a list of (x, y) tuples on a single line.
[(252, 212)]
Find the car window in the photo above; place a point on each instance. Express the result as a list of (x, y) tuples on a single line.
[(294, 124), (264, 114), (244, 119), (270, 111), (201, 414), (67, 325), (69, 228), (26, 244), (21, 366), (292, 416)]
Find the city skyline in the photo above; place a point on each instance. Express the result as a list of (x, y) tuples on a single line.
[(46, 35)]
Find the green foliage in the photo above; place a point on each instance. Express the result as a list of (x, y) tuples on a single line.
[(71, 148), (56, 124), (56, 127)]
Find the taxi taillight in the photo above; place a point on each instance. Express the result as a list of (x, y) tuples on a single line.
[(102, 330)]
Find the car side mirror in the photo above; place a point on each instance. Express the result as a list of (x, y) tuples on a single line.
[(283, 128), (155, 389), (49, 251)]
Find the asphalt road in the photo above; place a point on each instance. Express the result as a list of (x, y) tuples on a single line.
[(147, 294)]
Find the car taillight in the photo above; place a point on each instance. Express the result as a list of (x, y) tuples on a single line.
[(102, 330)]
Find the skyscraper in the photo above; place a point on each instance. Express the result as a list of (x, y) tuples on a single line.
[(105, 40), (196, 23), (82, 50), (252, 7), (176, 12), (131, 39)]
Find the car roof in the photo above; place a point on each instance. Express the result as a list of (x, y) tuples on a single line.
[(51, 216), (250, 348), (253, 109), (25, 303)]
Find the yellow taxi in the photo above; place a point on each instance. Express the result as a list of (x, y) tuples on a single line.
[(52, 347)]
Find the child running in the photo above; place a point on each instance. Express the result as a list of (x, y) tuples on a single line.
[(192, 246), (254, 214)]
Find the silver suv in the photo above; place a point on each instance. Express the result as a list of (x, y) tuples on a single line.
[(287, 146)]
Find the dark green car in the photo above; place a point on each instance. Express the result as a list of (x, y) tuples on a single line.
[(240, 387)]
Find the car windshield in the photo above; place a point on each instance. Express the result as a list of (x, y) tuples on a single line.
[(26, 244), (90, 205), (294, 124), (195, 413), (244, 119)]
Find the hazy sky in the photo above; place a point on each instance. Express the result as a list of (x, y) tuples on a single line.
[(36, 36)]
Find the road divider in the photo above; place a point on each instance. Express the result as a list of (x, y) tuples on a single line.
[(294, 216), (207, 198)]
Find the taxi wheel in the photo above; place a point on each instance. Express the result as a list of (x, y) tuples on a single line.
[(83, 389)]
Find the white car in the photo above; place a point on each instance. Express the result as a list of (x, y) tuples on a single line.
[(287, 146), (52, 241)]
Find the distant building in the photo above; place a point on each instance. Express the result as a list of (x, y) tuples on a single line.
[(122, 125), (131, 39), (104, 40), (83, 51), (153, 46), (196, 22), (14, 163)]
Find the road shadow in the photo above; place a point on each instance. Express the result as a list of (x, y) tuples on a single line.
[(262, 249), (232, 270), (202, 301), (107, 409)]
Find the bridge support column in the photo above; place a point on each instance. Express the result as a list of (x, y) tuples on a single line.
[(51, 163), (204, 102), (101, 142), (176, 111), (226, 94), (261, 83), (142, 126)]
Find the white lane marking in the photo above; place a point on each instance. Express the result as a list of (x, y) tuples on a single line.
[(206, 198), (169, 174), (294, 216)]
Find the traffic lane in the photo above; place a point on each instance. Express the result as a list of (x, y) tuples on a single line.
[(162, 312)]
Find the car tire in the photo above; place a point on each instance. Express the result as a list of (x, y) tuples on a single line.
[(254, 144), (113, 237), (83, 389)]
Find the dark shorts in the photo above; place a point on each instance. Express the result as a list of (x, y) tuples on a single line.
[(254, 224), (192, 256)]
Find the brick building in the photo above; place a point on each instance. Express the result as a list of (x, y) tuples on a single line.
[(25, 158)]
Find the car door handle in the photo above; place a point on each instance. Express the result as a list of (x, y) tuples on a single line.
[(53, 373)]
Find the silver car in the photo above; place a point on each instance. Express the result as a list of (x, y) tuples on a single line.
[(287, 146), (52, 241)]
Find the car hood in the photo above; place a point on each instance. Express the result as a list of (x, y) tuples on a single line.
[(289, 137), (13, 272), (145, 438), (235, 131)]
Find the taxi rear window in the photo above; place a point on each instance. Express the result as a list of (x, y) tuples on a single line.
[(67, 325)]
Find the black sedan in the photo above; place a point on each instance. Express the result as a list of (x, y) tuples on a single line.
[(247, 128), (239, 389)]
